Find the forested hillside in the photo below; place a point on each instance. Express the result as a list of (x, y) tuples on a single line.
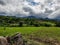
[(12, 21)]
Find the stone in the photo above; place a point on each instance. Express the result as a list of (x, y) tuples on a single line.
[(17, 39), (3, 41)]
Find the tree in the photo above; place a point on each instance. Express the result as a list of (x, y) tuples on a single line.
[(20, 24), (57, 24), (31, 23), (36, 25)]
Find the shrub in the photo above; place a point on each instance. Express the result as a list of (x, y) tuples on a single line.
[(57, 25), (20, 24), (46, 24), (36, 25)]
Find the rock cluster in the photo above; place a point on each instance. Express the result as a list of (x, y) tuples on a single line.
[(16, 39)]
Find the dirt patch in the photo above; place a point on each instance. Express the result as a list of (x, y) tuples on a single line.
[(50, 41), (17, 39)]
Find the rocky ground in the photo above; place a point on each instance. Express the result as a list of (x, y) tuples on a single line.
[(18, 39)]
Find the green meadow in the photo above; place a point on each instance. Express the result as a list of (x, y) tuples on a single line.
[(40, 31)]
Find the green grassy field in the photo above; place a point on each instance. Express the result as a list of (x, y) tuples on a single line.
[(39, 32)]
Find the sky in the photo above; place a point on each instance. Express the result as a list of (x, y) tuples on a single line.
[(21, 8)]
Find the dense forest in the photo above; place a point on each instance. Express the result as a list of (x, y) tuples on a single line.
[(12, 21)]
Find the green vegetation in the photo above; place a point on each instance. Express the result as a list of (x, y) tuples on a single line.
[(35, 32), (30, 28), (11, 21), (38, 31)]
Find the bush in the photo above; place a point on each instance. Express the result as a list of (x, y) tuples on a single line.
[(36, 25), (46, 24), (57, 25), (21, 24)]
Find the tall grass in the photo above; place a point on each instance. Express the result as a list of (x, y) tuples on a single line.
[(39, 31)]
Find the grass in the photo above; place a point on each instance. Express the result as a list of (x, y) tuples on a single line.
[(12, 30), (39, 31)]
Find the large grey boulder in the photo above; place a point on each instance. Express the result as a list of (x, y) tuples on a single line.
[(3, 41)]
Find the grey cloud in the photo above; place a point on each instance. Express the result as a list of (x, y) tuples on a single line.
[(28, 7), (55, 15), (2, 2), (48, 11)]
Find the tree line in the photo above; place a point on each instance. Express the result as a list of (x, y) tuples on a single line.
[(12, 21)]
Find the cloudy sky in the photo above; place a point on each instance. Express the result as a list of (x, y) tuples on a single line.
[(39, 8)]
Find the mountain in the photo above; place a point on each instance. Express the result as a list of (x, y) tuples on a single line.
[(53, 16), (31, 17)]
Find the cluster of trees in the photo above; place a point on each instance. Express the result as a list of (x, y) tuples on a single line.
[(11, 21)]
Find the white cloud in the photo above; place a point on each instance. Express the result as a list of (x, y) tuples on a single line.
[(29, 7)]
